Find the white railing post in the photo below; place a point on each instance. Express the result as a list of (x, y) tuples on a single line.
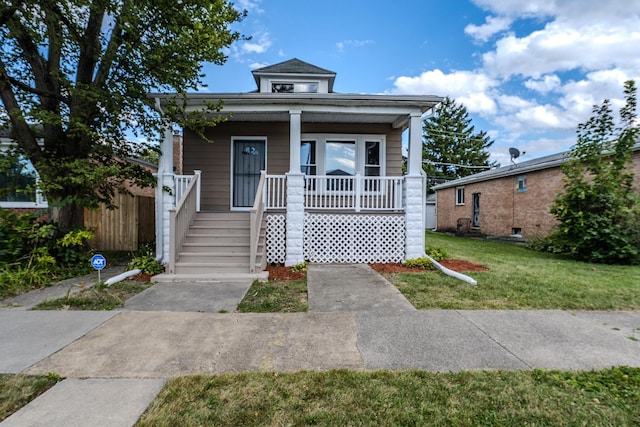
[(199, 184), (358, 192)]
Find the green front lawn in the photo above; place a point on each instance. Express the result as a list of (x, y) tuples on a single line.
[(411, 398), (18, 390), (98, 297), (519, 278)]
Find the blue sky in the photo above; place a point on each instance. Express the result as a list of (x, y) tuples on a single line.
[(528, 71)]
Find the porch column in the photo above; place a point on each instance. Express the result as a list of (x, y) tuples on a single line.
[(415, 192), (164, 198), (414, 165), (295, 218), (413, 217), (294, 141)]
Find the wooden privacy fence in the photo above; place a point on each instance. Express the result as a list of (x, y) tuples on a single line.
[(125, 228)]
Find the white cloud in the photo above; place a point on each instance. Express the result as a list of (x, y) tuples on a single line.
[(468, 87), (342, 45), (493, 25), (559, 47), (251, 6), (260, 43), (255, 65), (544, 85)]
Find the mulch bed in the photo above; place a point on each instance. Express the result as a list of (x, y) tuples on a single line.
[(280, 272), (452, 264)]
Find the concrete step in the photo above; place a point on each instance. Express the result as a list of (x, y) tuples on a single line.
[(209, 267)]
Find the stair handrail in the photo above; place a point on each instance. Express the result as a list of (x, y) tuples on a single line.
[(180, 218), (255, 224)]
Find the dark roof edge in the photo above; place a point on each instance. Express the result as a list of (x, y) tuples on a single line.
[(541, 163)]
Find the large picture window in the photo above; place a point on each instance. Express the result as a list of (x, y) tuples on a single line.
[(342, 155)]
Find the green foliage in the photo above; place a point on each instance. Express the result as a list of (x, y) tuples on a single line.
[(598, 211), (287, 296), (450, 142), (437, 253), (76, 78), (301, 266), (34, 253), (26, 240), (145, 261), (423, 262)]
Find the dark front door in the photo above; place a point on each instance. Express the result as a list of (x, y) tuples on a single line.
[(248, 160), (475, 220)]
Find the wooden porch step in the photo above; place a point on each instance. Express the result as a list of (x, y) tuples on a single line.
[(214, 257), (215, 247)]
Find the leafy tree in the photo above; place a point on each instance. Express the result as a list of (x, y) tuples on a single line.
[(74, 82), (450, 143), (599, 211)]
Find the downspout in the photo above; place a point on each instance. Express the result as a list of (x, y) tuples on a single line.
[(159, 198)]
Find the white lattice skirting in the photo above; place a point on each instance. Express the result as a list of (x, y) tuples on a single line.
[(334, 238), (340, 238), (275, 239)]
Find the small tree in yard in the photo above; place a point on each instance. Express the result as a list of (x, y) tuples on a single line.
[(599, 211), (74, 81)]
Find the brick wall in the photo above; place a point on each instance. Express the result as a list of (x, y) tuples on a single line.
[(503, 207)]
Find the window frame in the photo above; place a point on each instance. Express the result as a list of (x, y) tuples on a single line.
[(40, 201), (360, 142), (459, 196), (296, 85), (521, 184)]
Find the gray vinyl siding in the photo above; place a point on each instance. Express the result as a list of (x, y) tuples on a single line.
[(214, 159)]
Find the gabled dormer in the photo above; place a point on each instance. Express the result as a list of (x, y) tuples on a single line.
[(294, 76)]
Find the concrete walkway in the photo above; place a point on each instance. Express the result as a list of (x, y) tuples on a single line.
[(116, 362)]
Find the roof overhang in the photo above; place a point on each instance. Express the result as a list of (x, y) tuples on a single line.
[(320, 108)]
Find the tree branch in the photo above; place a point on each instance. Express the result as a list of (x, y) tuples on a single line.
[(24, 134)]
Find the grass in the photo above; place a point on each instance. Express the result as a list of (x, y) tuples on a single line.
[(287, 296), (519, 278), (18, 390), (99, 297), (335, 398)]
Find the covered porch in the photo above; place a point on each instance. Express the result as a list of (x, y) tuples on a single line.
[(373, 213)]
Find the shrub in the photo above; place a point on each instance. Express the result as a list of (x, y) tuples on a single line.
[(437, 253), (145, 261), (422, 262)]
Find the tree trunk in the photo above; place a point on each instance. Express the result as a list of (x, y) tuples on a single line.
[(68, 216)]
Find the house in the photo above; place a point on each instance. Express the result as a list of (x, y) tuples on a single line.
[(512, 200), (121, 229), (297, 172)]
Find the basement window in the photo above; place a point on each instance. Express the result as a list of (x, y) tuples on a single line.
[(516, 232)]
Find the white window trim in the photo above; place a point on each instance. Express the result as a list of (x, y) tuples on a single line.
[(360, 140), (40, 202), (458, 203)]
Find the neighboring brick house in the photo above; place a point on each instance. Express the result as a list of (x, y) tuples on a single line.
[(513, 200)]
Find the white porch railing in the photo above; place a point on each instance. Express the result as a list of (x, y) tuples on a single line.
[(275, 192), (182, 217), (255, 224), (354, 193)]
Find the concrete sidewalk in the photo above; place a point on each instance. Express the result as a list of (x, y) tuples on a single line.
[(120, 359)]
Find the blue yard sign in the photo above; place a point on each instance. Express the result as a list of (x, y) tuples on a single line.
[(98, 262)]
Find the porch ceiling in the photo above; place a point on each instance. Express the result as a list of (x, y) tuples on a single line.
[(316, 108)]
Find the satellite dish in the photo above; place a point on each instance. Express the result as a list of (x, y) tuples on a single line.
[(515, 153)]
